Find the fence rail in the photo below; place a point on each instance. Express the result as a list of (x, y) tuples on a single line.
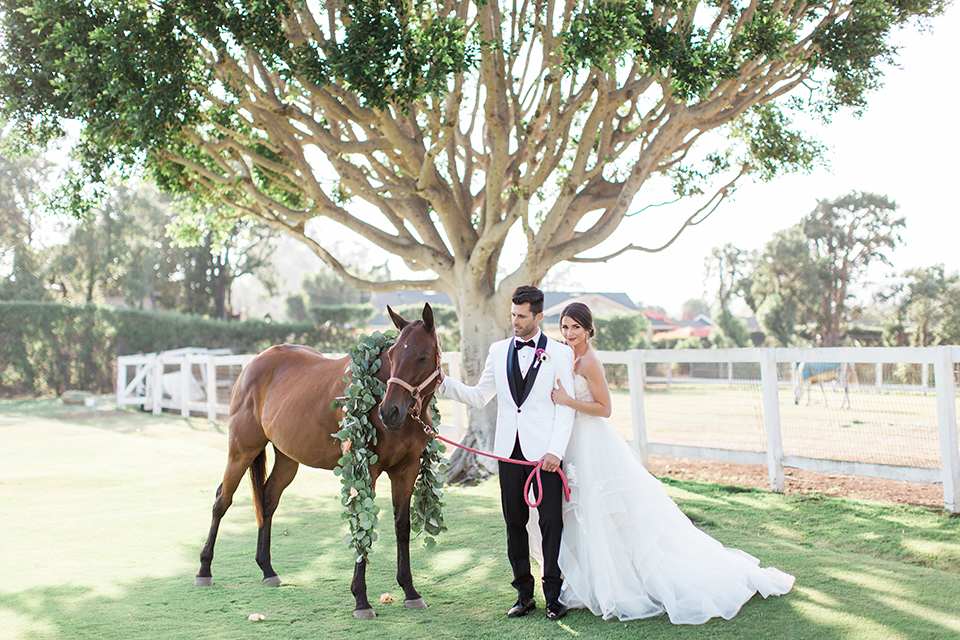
[(196, 380)]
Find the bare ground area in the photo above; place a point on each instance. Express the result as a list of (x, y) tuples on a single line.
[(799, 482)]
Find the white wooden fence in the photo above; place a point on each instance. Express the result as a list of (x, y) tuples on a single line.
[(185, 380), (196, 380), (940, 359)]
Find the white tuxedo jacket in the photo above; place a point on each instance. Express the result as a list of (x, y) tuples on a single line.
[(543, 427)]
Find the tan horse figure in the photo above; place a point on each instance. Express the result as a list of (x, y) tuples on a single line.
[(283, 397)]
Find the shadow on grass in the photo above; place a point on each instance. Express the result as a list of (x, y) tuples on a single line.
[(838, 595)]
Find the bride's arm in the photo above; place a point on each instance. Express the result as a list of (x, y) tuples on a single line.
[(602, 406)]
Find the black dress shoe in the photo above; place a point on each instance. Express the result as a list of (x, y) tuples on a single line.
[(555, 610), (522, 608)]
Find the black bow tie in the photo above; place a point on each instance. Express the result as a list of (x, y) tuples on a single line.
[(521, 344)]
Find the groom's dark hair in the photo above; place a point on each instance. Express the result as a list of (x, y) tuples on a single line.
[(529, 293)]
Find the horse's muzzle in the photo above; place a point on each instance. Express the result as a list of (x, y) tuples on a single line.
[(392, 417)]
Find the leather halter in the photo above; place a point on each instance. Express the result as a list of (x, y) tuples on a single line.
[(417, 392)]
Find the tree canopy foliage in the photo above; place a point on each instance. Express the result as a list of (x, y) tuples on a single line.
[(455, 120)]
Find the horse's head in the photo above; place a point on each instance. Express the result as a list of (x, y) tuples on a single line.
[(414, 365)]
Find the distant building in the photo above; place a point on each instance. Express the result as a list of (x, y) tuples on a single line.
[(699, 326)]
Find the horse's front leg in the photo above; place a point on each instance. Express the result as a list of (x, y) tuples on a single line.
[(402, 487), (358, 587)]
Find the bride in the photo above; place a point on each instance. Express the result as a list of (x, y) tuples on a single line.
[(627, 550)]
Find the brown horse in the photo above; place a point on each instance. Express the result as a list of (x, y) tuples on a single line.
[(284, 395)]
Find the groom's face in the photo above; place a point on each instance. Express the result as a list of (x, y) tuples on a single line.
[(525, 323)]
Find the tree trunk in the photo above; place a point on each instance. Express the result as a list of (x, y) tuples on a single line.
[(477, 332)]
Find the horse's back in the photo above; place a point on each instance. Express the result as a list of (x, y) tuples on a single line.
[(287, 391)]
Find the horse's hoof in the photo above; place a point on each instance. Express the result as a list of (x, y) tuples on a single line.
[(272, 581), (364, 613), (203, 582), (415, 604)]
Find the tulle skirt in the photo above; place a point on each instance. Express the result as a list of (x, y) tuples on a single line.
[(628, 551)]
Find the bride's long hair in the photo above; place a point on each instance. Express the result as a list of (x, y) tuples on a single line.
[(581, 314)]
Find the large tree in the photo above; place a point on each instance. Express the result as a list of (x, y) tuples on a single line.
[(807, 273), (447, 124), (846, 236)]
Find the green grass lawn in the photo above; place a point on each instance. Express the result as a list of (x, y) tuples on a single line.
[(103, 513)]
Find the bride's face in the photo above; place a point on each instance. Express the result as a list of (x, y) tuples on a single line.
[(572, 331)]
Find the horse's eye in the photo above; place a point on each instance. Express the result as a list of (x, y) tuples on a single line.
[(422, 359)]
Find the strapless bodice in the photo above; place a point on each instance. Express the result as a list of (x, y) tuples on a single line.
[(581, 389)]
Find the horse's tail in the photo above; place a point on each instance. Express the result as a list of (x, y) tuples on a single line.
[(258, 480)]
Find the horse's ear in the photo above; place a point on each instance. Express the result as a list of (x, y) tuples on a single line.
[(398, 322), (428, 317)]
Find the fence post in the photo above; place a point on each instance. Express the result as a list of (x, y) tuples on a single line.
[(211, 388), (925, 377), (879, 377), (947, 422), (771, 418), (157, 385), (635, 380)]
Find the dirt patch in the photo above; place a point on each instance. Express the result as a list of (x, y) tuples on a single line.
[(800, 482)]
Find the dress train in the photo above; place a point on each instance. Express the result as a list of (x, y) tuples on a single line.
[(628, 551)]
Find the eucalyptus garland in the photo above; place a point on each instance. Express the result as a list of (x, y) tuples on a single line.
[(358, 437)]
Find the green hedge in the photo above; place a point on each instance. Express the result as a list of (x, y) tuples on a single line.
[(50, 348)]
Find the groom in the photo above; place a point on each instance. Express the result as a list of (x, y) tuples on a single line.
[(521, 372)]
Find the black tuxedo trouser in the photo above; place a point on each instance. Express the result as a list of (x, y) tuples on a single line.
[(516, 513)]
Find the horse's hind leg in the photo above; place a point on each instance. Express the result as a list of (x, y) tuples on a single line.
[(283, 473), (236, 467)]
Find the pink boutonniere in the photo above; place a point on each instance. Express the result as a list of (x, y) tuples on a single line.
[(541, 355)]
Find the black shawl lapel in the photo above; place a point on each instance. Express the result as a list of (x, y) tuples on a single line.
[(534, 370), (512, 371)]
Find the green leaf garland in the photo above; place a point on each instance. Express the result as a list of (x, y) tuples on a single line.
[(358, 437)]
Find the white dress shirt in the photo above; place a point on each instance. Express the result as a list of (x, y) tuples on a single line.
[(525, 356)]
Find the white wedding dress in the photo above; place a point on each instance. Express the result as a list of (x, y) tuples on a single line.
[(628, 551)]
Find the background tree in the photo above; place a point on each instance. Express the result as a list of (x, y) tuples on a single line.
[(214, 249), (449, 125), (21, 256), (782, 290), (729, 266), (925, 306), (846, 235), (694, 307), (621, 331), (806, 273)]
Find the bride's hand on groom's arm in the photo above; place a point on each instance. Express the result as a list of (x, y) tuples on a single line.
[(559, 395)]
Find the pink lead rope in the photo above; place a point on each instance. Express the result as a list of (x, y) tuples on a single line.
[(526, 487)]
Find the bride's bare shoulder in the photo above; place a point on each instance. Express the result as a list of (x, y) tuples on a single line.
[(590, 365)]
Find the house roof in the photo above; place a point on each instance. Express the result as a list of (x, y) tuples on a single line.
[(659, 322), (701, 321), (600, 303)]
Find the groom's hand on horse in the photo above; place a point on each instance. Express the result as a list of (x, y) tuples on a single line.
[(549, 462)]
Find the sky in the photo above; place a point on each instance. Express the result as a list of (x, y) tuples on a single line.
[(904, 146)]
